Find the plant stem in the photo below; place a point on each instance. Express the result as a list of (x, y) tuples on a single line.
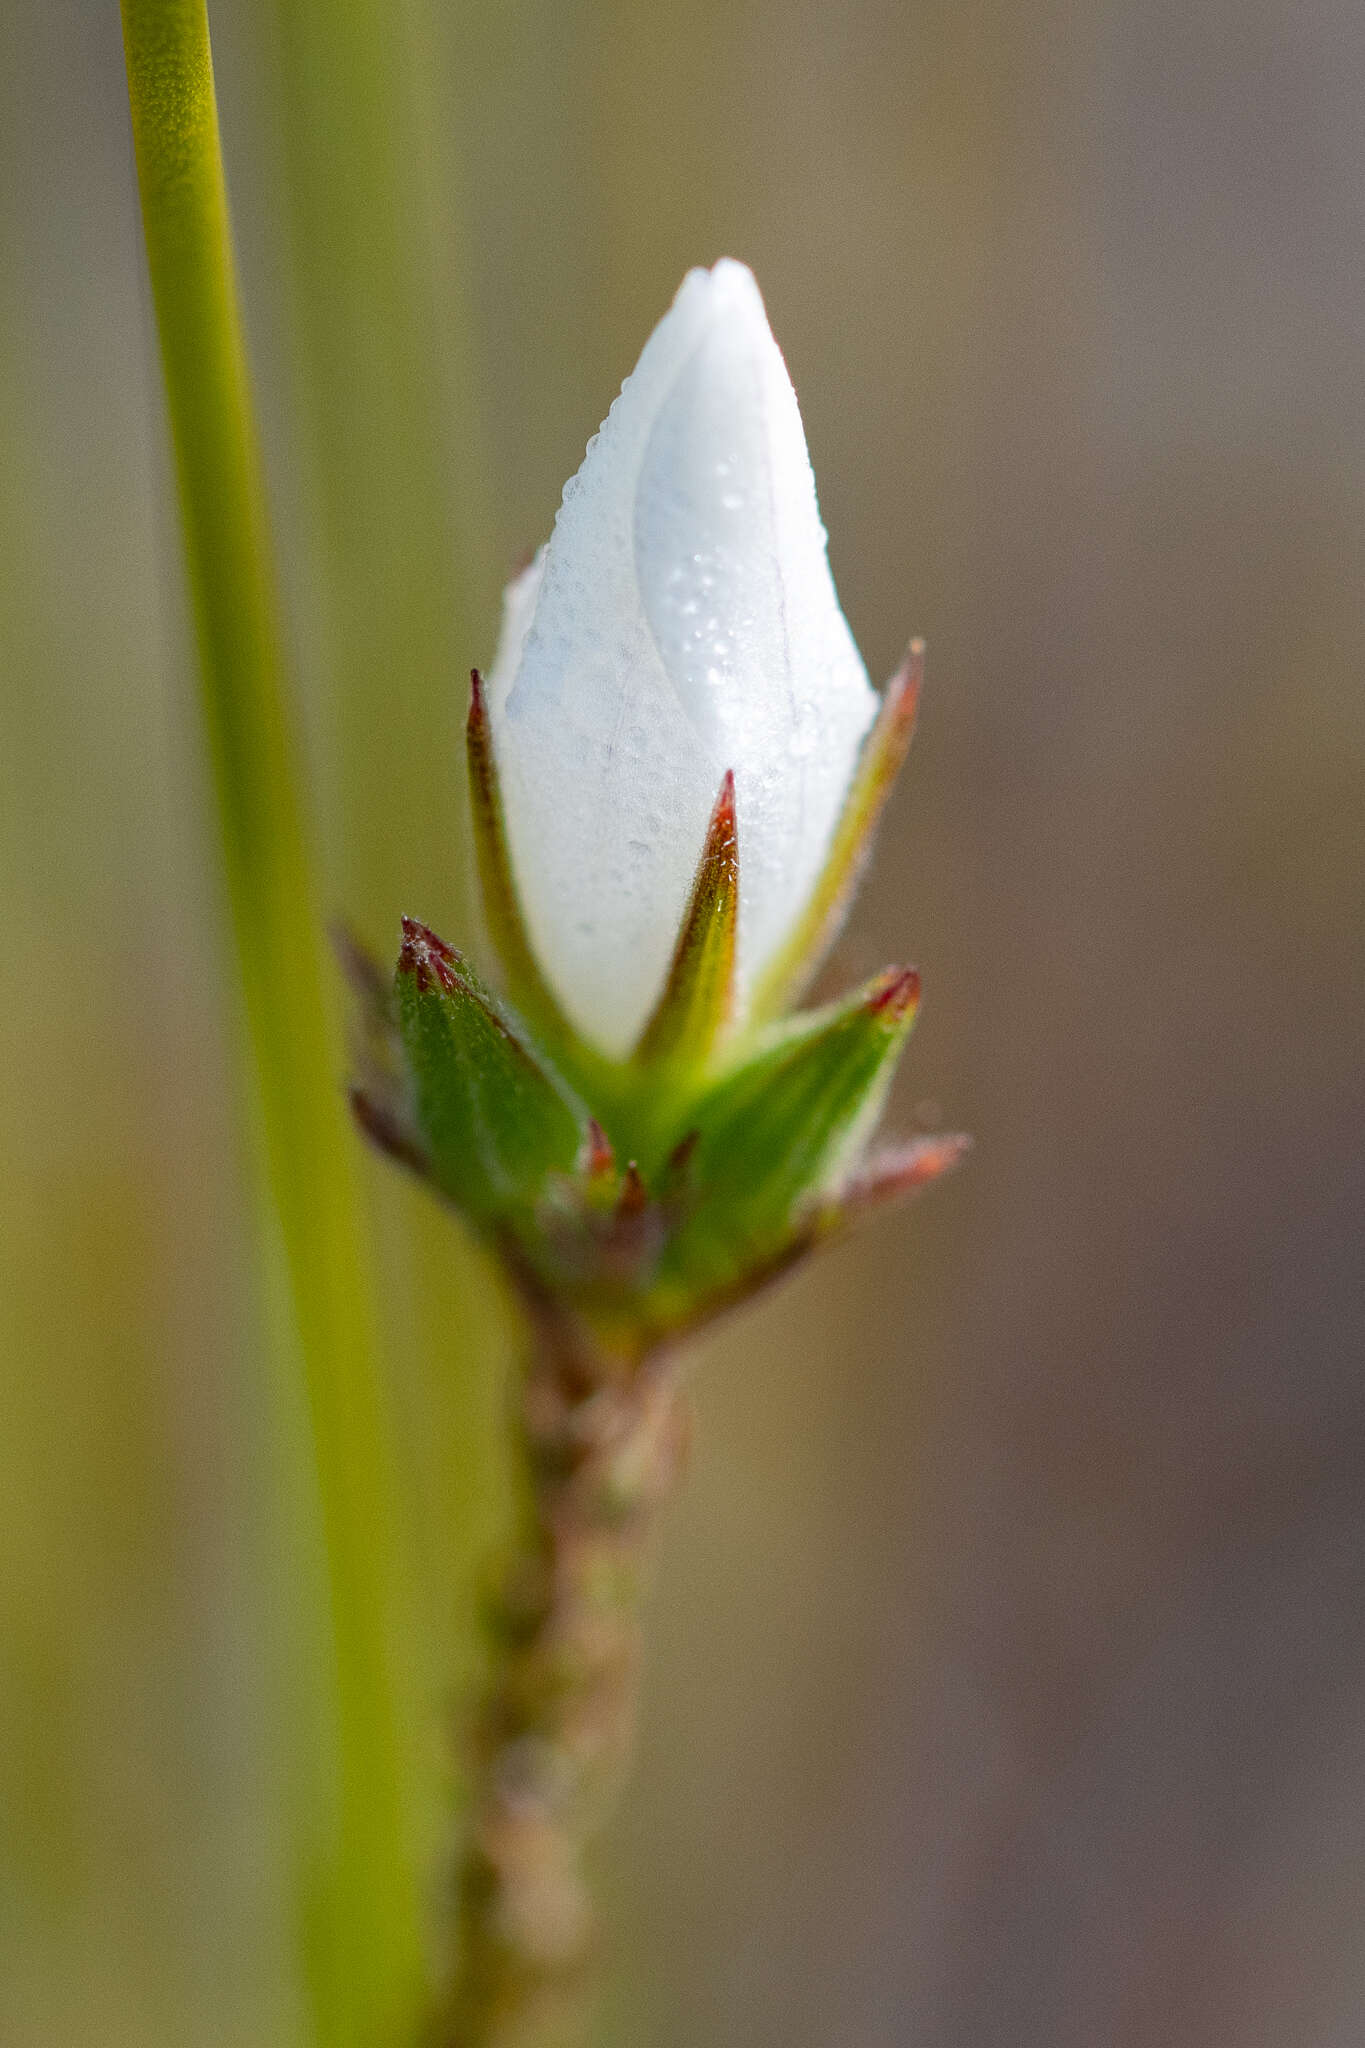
[(362, 1920), (603, 1441)]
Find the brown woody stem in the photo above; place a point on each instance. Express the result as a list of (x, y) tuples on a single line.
[(603, 1438)]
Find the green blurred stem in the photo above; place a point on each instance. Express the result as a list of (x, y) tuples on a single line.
[(362, 1920)]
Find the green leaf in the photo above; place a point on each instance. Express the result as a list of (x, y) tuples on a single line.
[(695, 1007), (775, 1134), (494, 1122)]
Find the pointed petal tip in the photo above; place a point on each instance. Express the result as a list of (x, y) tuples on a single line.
[(727, 286), (894, 996), (729, 272)]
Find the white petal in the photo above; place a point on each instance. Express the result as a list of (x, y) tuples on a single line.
[(518, 609), (683, 621)]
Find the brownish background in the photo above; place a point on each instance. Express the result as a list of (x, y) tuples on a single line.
[(1008, 1672)]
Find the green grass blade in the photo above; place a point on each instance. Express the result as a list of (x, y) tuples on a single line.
[(358, 1884)]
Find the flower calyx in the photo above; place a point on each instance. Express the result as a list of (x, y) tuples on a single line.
[(643, 1195)]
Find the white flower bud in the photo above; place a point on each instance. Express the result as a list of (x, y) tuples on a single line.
[(682, 620)]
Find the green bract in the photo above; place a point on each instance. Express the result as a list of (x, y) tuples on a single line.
[(640, 1195), (492, 1121)]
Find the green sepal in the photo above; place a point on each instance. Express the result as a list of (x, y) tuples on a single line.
[(501, 905), (775, 1134), (879, 763), (694, 1010), (495, 1124)]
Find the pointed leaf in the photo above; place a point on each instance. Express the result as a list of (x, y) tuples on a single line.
[(775, 1132), (698, 997), (493, 1120), (879, 763)]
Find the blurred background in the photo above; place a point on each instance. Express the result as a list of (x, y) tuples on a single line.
[(1007, 1679)]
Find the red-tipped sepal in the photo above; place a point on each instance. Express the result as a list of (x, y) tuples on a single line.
[(896, 1172), (677, 1197), (776, 1135), (501, 905), (692, 1014), (495, 1124), (879, 763)]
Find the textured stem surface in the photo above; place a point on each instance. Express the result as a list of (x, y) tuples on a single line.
[(603, 1441), (358, 1891)]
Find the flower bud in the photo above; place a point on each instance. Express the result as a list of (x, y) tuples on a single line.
[(681, 622)]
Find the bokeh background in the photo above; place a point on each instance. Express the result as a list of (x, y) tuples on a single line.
[(1007, 1685)]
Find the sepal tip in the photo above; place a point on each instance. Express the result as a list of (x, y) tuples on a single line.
[(879, 762), (696, 1004), (494, 1120), (894, 996), (599, 1159), (900, 1170)]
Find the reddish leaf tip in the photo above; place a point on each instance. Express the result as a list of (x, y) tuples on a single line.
[(903, 1170), (894, 995), (722, 833), (633, 1196), (900, 699), (695, 1004), (924, 1159), (478, 706), (428, 958), (599, 1158)]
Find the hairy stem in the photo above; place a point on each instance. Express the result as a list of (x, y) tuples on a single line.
[(603, 1443), (356, 1880)]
